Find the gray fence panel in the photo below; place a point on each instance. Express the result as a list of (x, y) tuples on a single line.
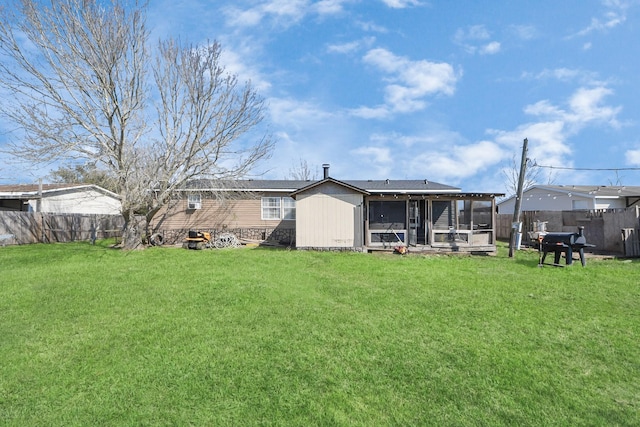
[(19, 228)]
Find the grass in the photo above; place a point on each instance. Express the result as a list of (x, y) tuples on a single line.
[(95, 336)]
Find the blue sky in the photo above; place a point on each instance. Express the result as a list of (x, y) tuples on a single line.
[(435, 89)]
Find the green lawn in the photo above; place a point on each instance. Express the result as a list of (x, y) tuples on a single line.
[(95, 336)]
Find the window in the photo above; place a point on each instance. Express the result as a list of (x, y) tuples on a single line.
[(482, 214), (387, 215), (288, 208), (443, 212), (271, 208), (194, 201), (278, 208)]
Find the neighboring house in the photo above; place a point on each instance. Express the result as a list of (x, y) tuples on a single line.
[(573, 197), (342, 215), (59, 198)]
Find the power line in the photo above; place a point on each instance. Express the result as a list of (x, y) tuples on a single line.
[(585, 169)]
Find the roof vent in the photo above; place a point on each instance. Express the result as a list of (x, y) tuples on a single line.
[(426, 182), (386, 181)]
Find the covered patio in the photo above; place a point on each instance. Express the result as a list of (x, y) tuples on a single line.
[(436, 222)]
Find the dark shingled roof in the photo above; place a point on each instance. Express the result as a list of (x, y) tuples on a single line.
[(404, 185), (371, 186)]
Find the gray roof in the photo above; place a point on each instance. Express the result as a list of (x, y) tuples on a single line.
[(335, 181), (33, 188), (590, 191), (371, 186), (31, 191), (404, 185), (596, 190)]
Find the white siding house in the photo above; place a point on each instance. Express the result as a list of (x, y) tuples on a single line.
[(572, 197), (59, 198)]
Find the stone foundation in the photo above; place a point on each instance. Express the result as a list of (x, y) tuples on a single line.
[(280, 236)]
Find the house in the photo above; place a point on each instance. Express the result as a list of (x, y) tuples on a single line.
[(59, 198), (338, 215), (572, 198)]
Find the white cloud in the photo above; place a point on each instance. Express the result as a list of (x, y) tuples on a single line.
[(378, 160), (344, 47), (615, 15), (523, 32), (550, 137), (329, 7), (350, 47), (612, 20), (633, 157), (432, 137), (243, 18), (474, 40), (232, 58), (490, 48), (544, 109), (306, 130), (281, 12), (409, 82), (550, 132), (401, 4), (459, 162), (566, 75), (379, 112), (474, 32), (371, 26), (292, 114), (547, 141), (375, 154), (586, 106)]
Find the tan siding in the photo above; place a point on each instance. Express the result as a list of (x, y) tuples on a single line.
[(327, 220), (216, 215)]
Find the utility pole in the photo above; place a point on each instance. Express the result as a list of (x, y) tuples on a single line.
[(516, 227)]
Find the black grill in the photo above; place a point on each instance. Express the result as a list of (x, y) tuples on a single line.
[(566, 243)]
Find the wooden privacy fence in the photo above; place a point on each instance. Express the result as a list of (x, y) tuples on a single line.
[(631, 242), (602, 228), (19, 228)]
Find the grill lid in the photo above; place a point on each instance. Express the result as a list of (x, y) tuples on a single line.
[(569, 239)]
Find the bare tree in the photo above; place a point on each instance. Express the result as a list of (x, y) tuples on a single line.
[(78, 76), (302, 171), (86, 173), (512, 173), (618, 180)]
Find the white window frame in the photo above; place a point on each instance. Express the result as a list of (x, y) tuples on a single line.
[(194, 201), (270, 208), (288, 208), (277, 208)]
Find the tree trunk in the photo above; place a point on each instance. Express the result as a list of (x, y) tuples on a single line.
[(132, 233)]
